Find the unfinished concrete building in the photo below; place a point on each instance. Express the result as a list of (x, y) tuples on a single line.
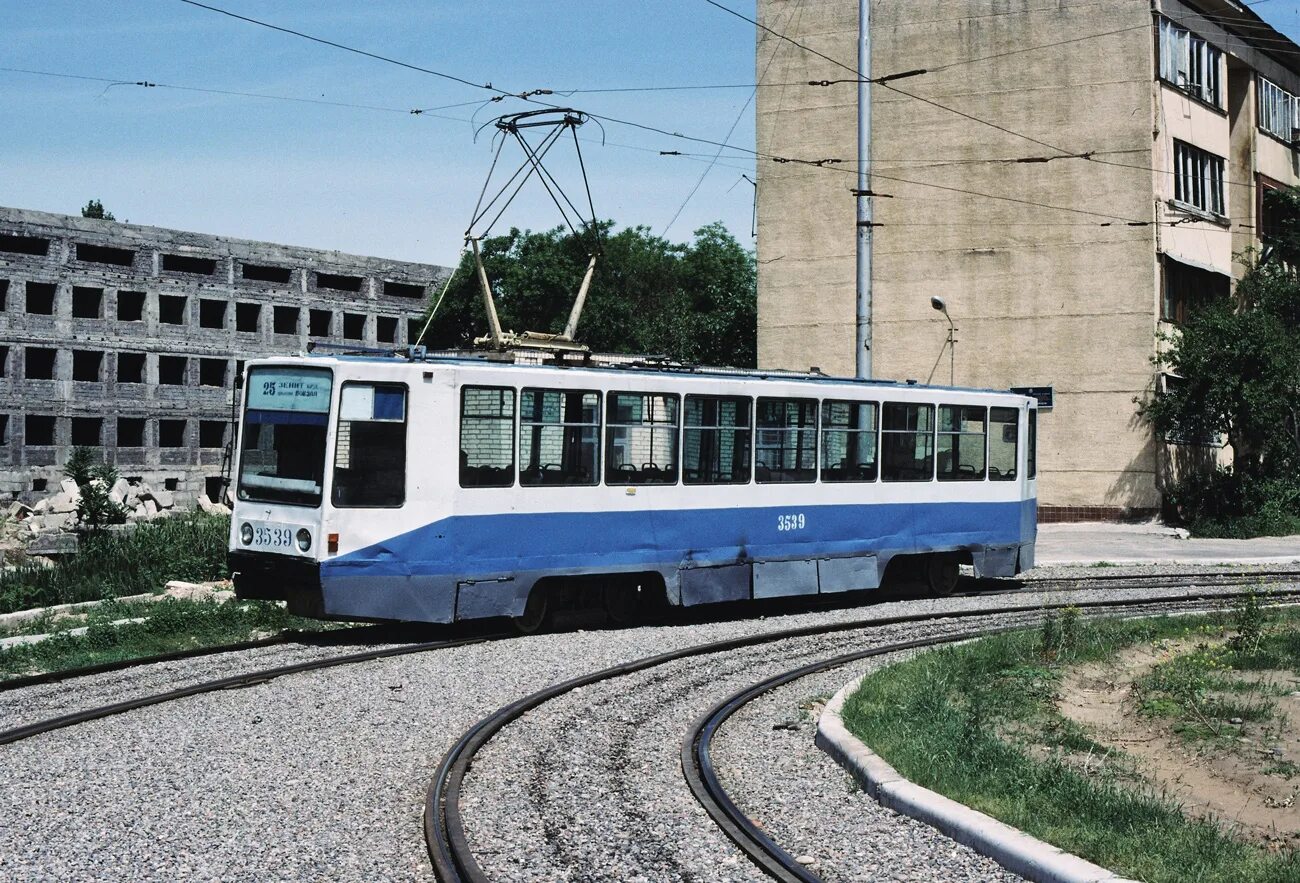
[(1069, 176), (129, 339)]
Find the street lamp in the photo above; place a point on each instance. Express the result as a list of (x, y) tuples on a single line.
[(938, 304)]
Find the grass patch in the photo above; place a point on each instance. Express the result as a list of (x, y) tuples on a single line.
[(109, 565), (978, 723), (168, 626)]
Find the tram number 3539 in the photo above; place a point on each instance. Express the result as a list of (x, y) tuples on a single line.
[(792, 521)]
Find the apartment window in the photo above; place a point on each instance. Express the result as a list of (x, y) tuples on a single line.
[(171, 433), (386, 329), (32, 245), (1198, 178), (130, 367), (87, 432), (130, 432), (181, 263), (212, 313), (87, 303), (260, 273), (130, 306), (39, 363), (487, 436), (212, 433), (338, 283), (4, 429), (1279, 110), (403, 289), (285, 320), (171, 309), (319, 322), (212, 372), (1189, 63), (87, 364), (248, 317), (4, 361), (99, 254), (172, 370), (40, 298), (1187, 289), (559, 432), (4, 295), (39, 430)]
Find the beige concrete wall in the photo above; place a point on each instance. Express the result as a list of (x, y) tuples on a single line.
[(1042, 292)]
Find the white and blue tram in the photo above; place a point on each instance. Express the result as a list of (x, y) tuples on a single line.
[(444, 488)]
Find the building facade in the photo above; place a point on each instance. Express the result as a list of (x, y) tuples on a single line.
[(1068, 177), (130, 339)]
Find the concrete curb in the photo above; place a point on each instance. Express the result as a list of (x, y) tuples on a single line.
[(1013, 849), (18, 617), (1172, 561)]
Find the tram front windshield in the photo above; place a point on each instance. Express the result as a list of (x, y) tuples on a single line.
[(282, 458)]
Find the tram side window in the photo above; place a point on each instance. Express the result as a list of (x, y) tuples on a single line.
[(559, 431), (786, 450), (1033, 443), (370, 448), (962, 439), (1004, 435), (641, 438), (487, 436), (715, 443), (848, 441), (907, 442)]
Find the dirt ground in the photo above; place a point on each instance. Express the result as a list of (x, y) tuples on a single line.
[(1242, 780)]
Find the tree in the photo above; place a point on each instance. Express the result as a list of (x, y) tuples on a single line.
[(95, 507), (95, 209), (695, 302)]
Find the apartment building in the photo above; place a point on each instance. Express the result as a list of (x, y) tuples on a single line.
[(129, 339), (1068, 177)]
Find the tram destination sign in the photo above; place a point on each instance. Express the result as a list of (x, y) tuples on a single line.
[(1044, 394)]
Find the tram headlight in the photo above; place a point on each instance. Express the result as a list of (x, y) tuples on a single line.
[(304, 539), (246, 533)]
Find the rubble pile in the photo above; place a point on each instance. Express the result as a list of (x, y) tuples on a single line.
[(58, 512)]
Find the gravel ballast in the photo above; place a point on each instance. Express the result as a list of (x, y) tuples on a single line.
[(321, 776)]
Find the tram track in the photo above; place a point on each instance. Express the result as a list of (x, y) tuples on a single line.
[(449, 844)]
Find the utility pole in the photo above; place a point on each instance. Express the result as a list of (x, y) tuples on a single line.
[(865, 215)]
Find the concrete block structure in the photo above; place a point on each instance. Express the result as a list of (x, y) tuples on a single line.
[(1110, 163), (129, 339)]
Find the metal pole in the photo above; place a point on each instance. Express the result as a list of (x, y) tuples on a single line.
[(952, 353), (864, 214)]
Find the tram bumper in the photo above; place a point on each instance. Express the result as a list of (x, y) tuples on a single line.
[(261, 577)]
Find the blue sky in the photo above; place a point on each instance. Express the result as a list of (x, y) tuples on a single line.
[(375, 180)]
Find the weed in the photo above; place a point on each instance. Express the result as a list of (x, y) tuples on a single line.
[(1250, 621)]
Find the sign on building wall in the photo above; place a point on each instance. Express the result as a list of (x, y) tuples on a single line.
[(1044, 394)]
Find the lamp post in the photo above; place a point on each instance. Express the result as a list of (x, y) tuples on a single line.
[(938, 304)]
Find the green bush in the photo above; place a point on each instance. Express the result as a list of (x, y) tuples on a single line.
[(1227, 504), (109, 565)]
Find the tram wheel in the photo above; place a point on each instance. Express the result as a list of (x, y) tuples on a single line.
[(941, 575), (623, 602), (536, 613)]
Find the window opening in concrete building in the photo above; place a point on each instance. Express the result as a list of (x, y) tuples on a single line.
[(4, 294), (171, 433), (4, 361), (39, 484), (641, 438), (184, 263), (87, 432), (40, 298), (286, 320), (239, 372), (130, 367), (403, 289), (171, 309), (559, 437), (248, 317), (24, 244), (370, 446), (716, 440), (907, 442), (1279, 113), (130, 306), (87, 365), (1198, 178), (172, 370), (263, 273), (786, 447), (354, 326), (413, 329), (487, 437), (39, 364), (102, 254), (1187, 289), (386, 329), (214, 488), (338, 283), (130, 432), (849, 443), (1004, 440), (1189, 63), (87, 303), (4, 429), (212, 433), (212, 372), (171, 484), (39, 430), (319, 322), (212, 313), (961, 449)]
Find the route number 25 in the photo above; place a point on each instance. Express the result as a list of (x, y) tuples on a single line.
[(793, 521)]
